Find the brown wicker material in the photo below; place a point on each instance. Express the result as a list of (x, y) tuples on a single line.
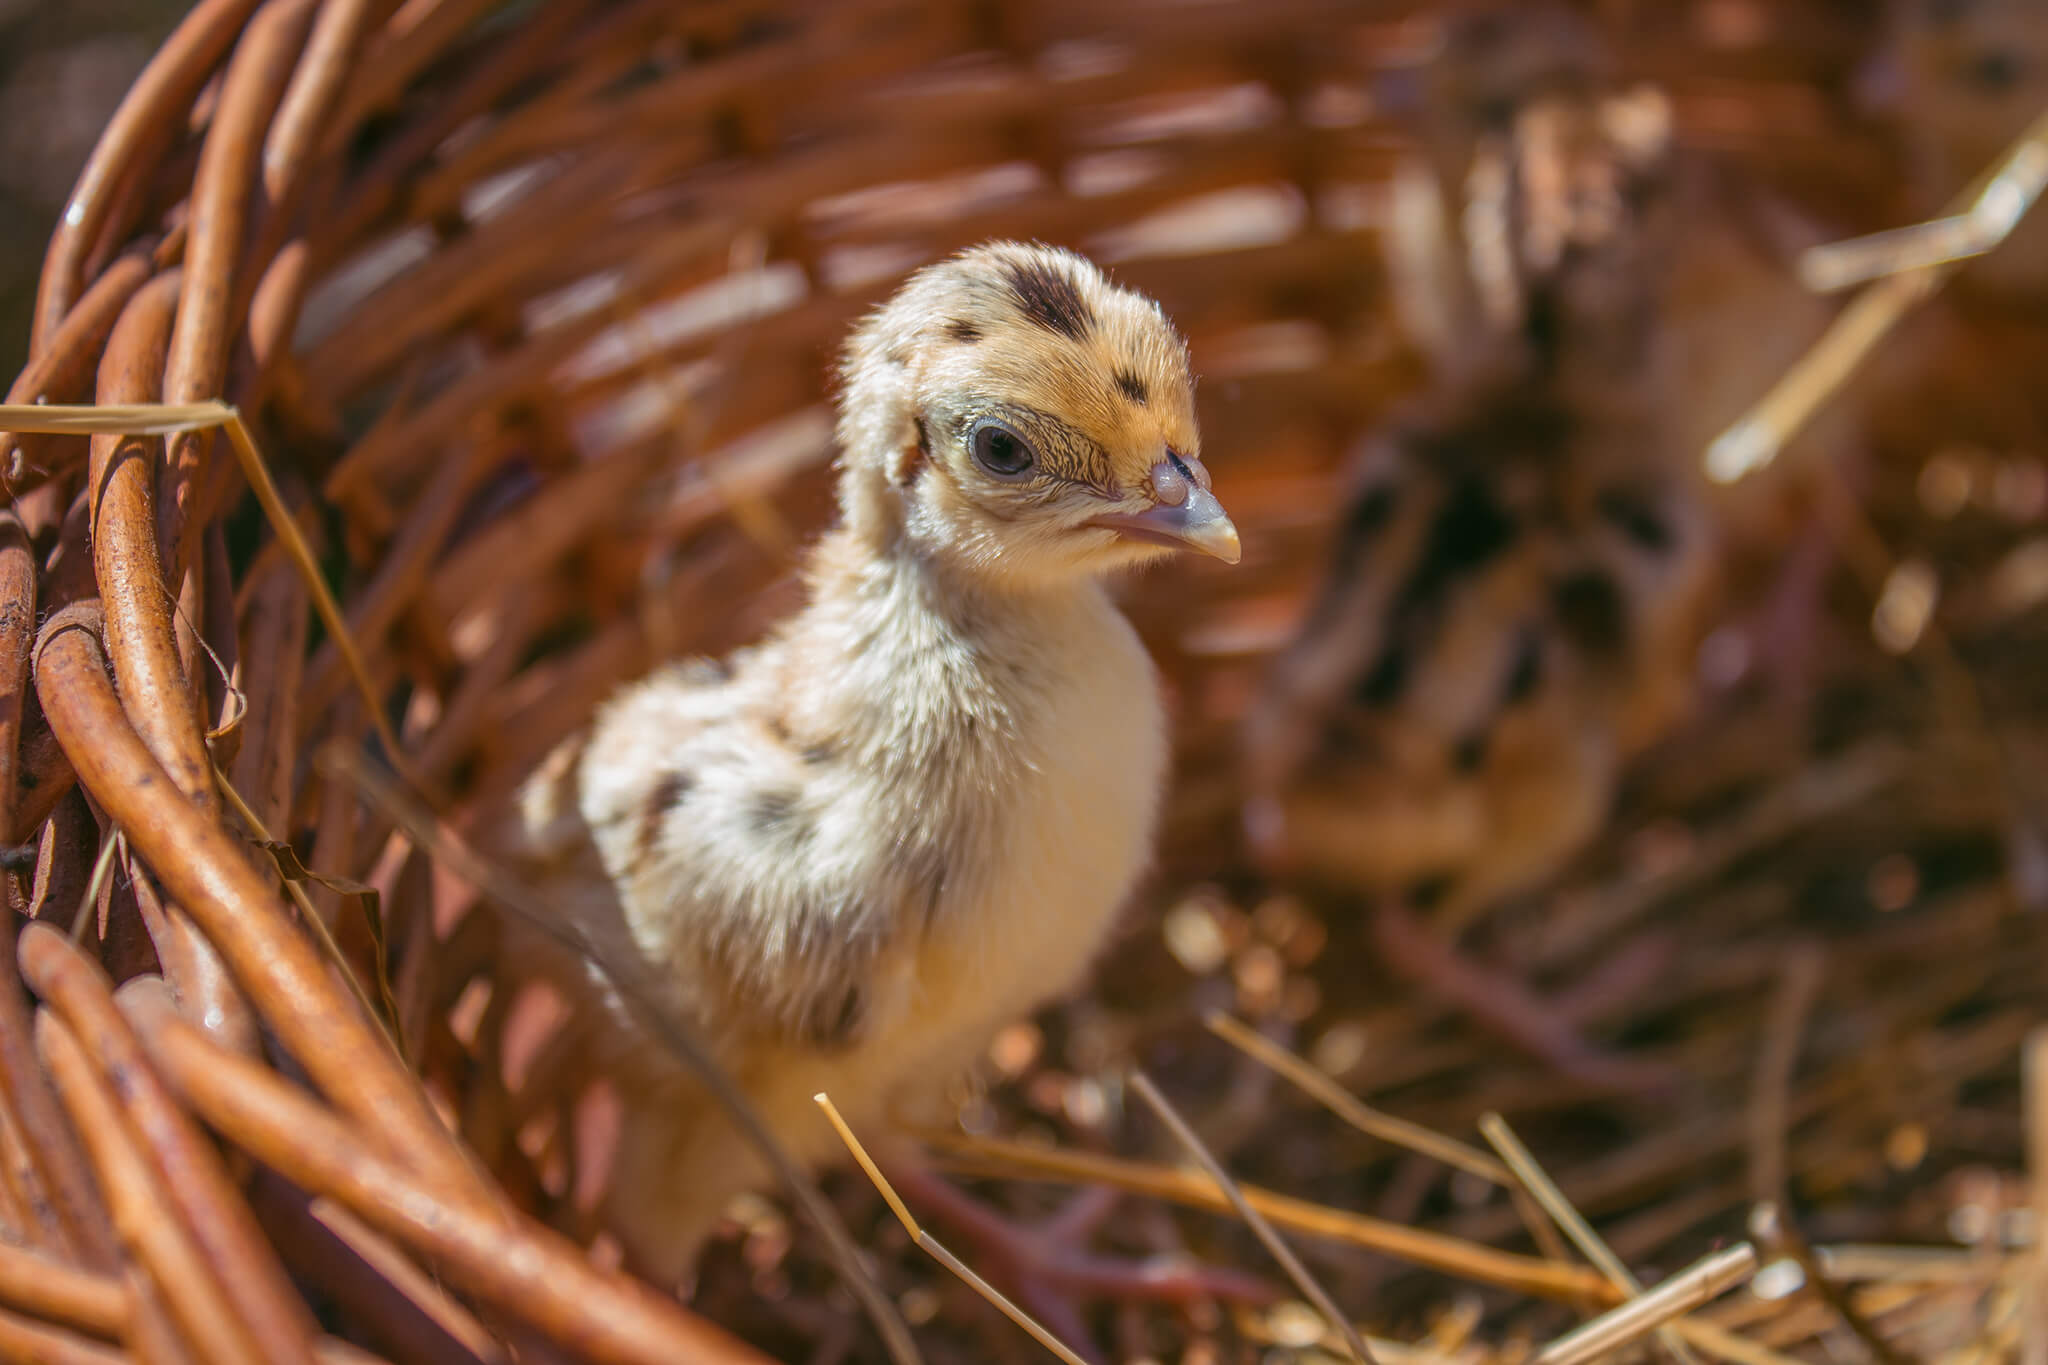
[(531, 310)]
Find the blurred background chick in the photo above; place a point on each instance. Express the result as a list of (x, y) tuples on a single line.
[(1518, 587)]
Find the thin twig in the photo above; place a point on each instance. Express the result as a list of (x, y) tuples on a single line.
[(102, 867), (111, 419), (1699, 1284), (1545, 1191), (286, 528), (1723, 1344), (2015, 183), (930, 1245), (1417, 1246), (168, 419), (337, 759), (1570, 1221), (1799, 982), (1261, 1228), (1756, 438), (1374, 1123), (1905, 1264), (1346, 1106), (386, 1018), (2034, 1084), (1772, 1220)]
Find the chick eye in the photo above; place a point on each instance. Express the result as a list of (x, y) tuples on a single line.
[(1001, 451)]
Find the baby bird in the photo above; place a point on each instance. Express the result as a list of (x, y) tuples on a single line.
[(850, 853), (1512, 601)]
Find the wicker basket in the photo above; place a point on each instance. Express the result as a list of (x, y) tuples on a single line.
[(529, 309)]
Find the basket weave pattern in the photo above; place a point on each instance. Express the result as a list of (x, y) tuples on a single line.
[(531, 310), (520, 308)]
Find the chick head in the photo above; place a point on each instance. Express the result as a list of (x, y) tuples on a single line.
[(1014, 412)]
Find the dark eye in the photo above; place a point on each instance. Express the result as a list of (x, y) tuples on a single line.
[(1001, 451)]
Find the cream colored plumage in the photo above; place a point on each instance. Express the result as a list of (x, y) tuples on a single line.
[(850, 853)]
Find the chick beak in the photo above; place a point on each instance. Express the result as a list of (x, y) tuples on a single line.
[(1186, 515)]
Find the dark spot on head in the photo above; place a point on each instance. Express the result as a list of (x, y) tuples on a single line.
[(664, 796), (1627, 509), (818, 753), (1468, 753), (963, 331), (778, 729), (1527, 669), (1131, 387), (1590, 609), (1047, 296)]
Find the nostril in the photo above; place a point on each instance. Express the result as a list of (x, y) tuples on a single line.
[(1171, 482), (1190, 466)]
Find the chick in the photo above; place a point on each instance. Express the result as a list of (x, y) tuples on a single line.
[(848, 854), (1506, 619), (1515, 591)]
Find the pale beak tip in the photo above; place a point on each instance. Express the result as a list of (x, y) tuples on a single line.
[(1210, 529), (1220, 539)]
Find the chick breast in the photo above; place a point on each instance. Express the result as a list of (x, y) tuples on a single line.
[(845, 882)]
